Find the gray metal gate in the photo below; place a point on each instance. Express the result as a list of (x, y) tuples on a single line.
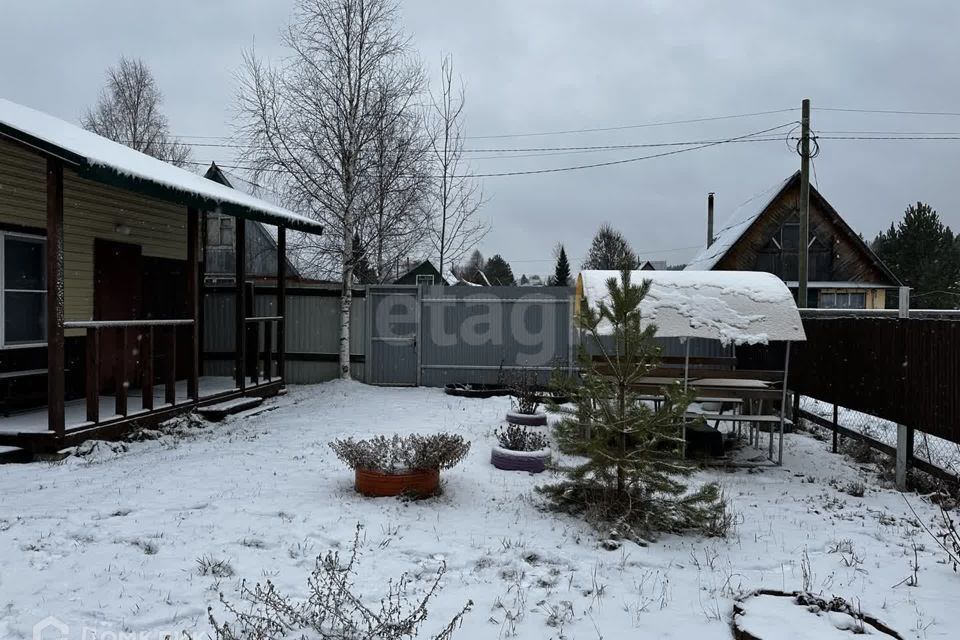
[(393, 315)]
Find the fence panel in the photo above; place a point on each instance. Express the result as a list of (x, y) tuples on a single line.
[(906, 371), (312, 331), (477, 335)]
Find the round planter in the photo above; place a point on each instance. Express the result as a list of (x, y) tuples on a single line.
[(530, 461), (538, 419), (476, 390), (420, 484)]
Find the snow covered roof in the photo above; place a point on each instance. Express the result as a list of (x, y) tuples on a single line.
[(102, 160), (738, 223), (739, 307)]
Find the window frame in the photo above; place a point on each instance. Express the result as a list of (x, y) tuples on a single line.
[(42, 240), (425, 279)]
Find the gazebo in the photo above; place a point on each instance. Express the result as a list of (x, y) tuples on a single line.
[(733, 307)]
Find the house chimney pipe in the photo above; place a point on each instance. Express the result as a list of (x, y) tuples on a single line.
[(710, 218)]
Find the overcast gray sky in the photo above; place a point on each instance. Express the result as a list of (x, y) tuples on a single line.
[(542, 66)]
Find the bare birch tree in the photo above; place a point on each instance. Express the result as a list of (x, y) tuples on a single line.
[(456, 228), (128, 112), (397, 191), (308, 123)]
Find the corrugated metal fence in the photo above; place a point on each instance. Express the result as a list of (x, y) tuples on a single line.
[(412, 335)]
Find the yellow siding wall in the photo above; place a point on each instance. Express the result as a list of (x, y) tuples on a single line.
[(91, 210)]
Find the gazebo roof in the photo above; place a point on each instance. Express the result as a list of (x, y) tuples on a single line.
[(734, 307)]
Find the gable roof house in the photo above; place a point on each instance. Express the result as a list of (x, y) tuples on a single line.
[(219, 240), (100, 272), (428, 274), (763, 235)]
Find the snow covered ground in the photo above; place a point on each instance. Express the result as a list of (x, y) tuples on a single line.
[(109, 543)]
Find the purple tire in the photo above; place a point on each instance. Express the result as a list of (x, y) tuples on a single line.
[(529, 461)]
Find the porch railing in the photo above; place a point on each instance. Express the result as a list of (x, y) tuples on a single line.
[(147, 337), (268, 327)]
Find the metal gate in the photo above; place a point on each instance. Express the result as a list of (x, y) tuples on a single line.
[(393, 315)]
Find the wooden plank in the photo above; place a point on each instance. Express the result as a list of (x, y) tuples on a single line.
[(170, 382), (55, 286), (193, 301), (146, 363), (92, 383), (255, 352), (268, 350), (281, 301), (251, 328), (121, 384), (240, 333)]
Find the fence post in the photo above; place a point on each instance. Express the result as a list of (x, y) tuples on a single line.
[(904, 432), (834, 428)]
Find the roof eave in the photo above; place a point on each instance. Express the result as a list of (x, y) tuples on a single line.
[(149, 188)]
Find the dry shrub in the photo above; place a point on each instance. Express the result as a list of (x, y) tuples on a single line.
[(334, 609), (519, 438), (402, 453)]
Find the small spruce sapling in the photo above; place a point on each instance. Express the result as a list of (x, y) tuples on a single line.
[(633, 474)]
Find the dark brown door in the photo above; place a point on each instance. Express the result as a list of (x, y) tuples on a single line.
[(117, 295)]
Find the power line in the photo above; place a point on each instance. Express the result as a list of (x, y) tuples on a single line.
[(632, 126), (628, 160), (741, 138), (603, 147), (639, 252), (889, 111), (583, 130)]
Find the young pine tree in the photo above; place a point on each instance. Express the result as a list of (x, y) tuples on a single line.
[(632, 475)]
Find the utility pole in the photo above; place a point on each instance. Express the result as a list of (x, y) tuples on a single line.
[(804, 240)]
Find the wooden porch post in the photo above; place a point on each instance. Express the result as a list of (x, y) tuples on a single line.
[(281, 301), (55, 358), (193, 302), (240, 329)]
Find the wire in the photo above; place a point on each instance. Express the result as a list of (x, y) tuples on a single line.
[(584, 130), (957, 137), (890, 111), (604, 147), (639, 252), (740, 138)]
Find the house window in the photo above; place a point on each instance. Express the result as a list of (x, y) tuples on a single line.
[(780, 256), (843, 300), (23, 284), (425, 279)]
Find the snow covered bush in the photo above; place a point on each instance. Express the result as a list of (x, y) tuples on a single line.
[(401, 454), (334, 608), (519, 438), (631, 476)]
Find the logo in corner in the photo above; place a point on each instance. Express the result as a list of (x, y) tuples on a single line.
[(50, 628)]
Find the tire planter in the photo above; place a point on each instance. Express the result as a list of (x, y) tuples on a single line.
[(476, 390), (538, 419), (803, 616), (418, 484), (529, 461)]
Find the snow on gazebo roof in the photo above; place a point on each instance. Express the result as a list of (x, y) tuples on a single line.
[(739, 307), (97, 158)]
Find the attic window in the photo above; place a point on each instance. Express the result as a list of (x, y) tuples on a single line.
[(425, 279)]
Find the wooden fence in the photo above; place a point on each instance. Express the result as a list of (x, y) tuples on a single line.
[(903, 370)]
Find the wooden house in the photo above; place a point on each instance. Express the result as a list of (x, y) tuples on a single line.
[(764, 235), (100, 271), (425, 273)]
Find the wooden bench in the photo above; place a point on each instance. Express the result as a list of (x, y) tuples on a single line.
[(8, 378)]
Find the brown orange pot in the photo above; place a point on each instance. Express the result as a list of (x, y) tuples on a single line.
[(421, 484)]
